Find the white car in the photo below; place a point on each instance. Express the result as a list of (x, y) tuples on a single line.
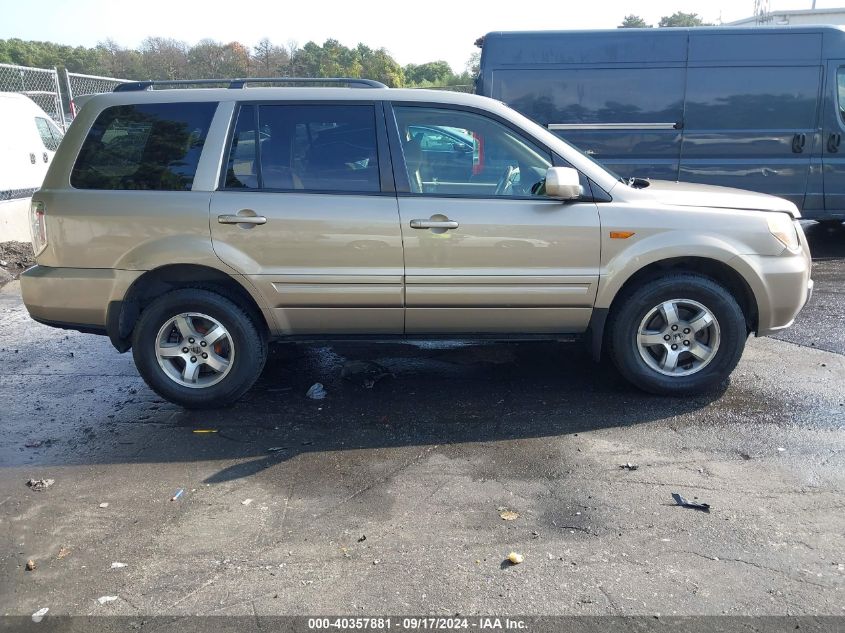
[(28, 141)]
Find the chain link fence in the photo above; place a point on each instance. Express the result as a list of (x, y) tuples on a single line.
[(39, 84), (79, 84)]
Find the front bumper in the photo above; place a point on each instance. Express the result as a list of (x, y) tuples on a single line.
[(781, 286)]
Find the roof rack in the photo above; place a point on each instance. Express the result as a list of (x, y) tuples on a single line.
[(353, 82)]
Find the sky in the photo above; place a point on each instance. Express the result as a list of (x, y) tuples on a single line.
[(413, 32)]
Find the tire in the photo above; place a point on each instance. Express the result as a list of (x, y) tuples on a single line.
[(233, 360), (637, 334)]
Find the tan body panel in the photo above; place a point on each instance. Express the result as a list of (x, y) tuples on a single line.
[(74, 295), (132, 230), (738, 238), (322, 262), (510, 266)]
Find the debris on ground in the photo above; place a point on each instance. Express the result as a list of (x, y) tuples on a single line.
[(30, 565), (118, 565), (363, 538), (198, 431), (316, 391), (515, 559), (509, 515), (40, 484), (63, 551), (364, 372), (106, 599), (103, 505), (33, 443), (39, 615), (276, 449), (178, 494), (246, 502), (629, 466), (15, 257), (695, 505)]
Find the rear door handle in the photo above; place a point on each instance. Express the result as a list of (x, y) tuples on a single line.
[(798, 143), (434, 224), (833, 142), (241, 219)]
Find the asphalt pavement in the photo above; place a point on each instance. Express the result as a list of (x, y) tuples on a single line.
[(391, 499)]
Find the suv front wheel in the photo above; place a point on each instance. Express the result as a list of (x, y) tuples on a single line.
[(678, 334), (198, 349)]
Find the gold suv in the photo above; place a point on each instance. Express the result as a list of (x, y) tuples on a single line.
[(197, 225)]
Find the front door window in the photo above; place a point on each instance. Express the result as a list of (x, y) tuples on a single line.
[(453, 152)]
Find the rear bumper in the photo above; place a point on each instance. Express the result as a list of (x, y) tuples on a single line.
[(74, 298)]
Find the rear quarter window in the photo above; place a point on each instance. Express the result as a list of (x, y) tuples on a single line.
[(153, 146)]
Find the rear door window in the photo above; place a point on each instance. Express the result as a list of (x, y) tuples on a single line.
[(154, 146), (315, 148)]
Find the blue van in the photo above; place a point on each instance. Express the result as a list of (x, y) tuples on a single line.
[(754, 108)]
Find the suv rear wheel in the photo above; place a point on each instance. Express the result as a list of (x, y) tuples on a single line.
[(198, 349), (678, 334)]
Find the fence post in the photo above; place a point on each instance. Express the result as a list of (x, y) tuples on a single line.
[(69, 87), (58, 99)]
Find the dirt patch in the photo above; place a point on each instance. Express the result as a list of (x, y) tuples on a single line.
[(15, 257)]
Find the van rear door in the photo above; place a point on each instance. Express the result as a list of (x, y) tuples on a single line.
[(833, 151)]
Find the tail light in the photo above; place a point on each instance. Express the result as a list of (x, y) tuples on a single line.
[(38, 226)]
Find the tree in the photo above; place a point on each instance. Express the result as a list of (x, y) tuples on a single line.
[(432, 72), (170, 59), (164, 58), (269, 60), (379, 65), (117, 61), (679, 18), (634, 22), (474, 64)]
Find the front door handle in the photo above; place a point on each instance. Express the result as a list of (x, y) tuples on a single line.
[(833, 142), (241, 219), (798, 143), (434, 224)]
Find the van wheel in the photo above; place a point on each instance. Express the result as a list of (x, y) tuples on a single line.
[(677, 335), (197, 349)]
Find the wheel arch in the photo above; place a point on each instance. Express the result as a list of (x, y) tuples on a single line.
[(121, 316), (719, 271)]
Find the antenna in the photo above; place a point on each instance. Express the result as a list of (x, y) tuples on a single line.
[(761, 11)]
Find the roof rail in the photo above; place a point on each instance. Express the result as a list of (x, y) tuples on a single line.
[(241, 83)]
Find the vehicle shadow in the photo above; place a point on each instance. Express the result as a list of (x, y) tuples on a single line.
[(826, 241), (434, 394)]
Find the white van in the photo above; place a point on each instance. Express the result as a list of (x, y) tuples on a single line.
[(28, 141)]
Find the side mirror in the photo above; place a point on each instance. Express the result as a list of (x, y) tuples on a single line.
[(563, 183)]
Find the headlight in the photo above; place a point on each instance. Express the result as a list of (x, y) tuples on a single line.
[(38, 226), (782, 227)]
